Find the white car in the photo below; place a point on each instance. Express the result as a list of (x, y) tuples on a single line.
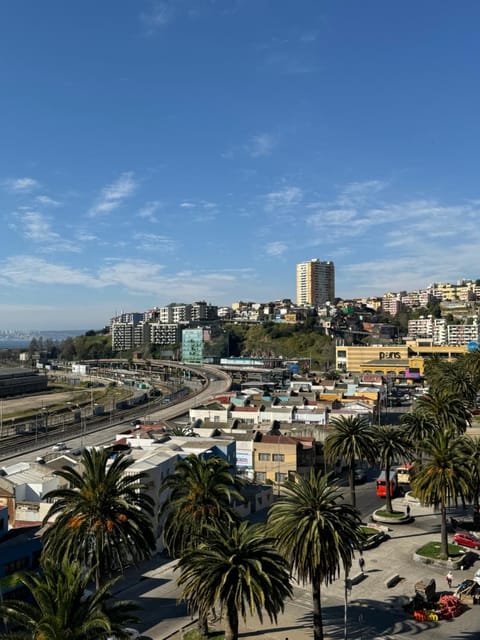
[(60, 446)]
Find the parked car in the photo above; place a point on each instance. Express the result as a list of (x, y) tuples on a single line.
[(60, 446), (465, 539)]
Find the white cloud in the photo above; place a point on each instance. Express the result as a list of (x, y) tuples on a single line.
[(36, 227), (286, 197), (276, 248), (28, 270), (153, 242), (22, 185), (47, 201), (261, 145), (159, 15), (357, 193), (187, 205), (149, 209), (114, 194)]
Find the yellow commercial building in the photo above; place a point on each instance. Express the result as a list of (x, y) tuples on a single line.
[(399, 360)]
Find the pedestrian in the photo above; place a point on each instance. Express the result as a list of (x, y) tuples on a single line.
[(361, 562), (407, 510), (449, 578)]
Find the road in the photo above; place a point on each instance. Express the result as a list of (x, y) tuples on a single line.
[(217, 383)]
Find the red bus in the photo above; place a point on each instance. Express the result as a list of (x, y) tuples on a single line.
[(382, 485)]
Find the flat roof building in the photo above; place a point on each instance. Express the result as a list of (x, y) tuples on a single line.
[(315, 282)]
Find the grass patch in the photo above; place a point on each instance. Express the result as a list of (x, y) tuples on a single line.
[(368, 531), (383, 513), (194, 634), (432, 550)]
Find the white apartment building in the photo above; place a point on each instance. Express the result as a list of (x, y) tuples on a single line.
[(421, 327), (122, 336), (315, 282), (160, 333), (440, 336), (459, 334), (420, 298)]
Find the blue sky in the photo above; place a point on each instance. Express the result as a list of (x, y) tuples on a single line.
[(159, 151)]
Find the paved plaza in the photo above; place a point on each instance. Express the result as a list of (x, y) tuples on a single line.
[(375, 611)]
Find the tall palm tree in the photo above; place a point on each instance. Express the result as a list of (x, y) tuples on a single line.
[(198, 494), (238, 569), (353, 438), (472, 461), (460, 377), (103, 518), (61, 609), (316, 533), (443, 474), (444, 410), (417, 428), (392, 444)]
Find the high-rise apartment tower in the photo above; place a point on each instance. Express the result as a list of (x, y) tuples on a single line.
[(315, 282)]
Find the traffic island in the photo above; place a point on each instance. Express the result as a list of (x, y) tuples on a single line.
[(391, 517), (458, 558)]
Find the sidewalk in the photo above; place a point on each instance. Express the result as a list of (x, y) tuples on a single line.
[(373, 609)]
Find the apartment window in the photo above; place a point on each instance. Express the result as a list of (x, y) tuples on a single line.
[(265, 457), (278, 457), (260, 476), (280, 477)]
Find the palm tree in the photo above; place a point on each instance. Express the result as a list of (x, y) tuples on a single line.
[(392, 444), (198, 494), (416, 428), (103, 518), (444, 474), (444, 410), (240, 570), (353, 438), (62, 608), (316, 533), (472, 461), (461, 376)]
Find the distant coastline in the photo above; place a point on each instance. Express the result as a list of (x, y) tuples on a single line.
[(14, 344)]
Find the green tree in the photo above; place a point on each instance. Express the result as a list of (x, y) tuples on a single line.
[(199, 493), (417, 428), (103, 519), (458, 377), (392, 444), (238, 569), (352, 438), (444, 410), (472, 461), (442, 475), (316, 533), (62, 609)]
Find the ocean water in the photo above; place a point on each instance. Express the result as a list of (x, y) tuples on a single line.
[(14, 344)]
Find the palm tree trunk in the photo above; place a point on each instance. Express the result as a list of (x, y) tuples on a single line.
[(388, 495), (203, 625), (231, 624), (351, 481), (443, 531), (317, 607)]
